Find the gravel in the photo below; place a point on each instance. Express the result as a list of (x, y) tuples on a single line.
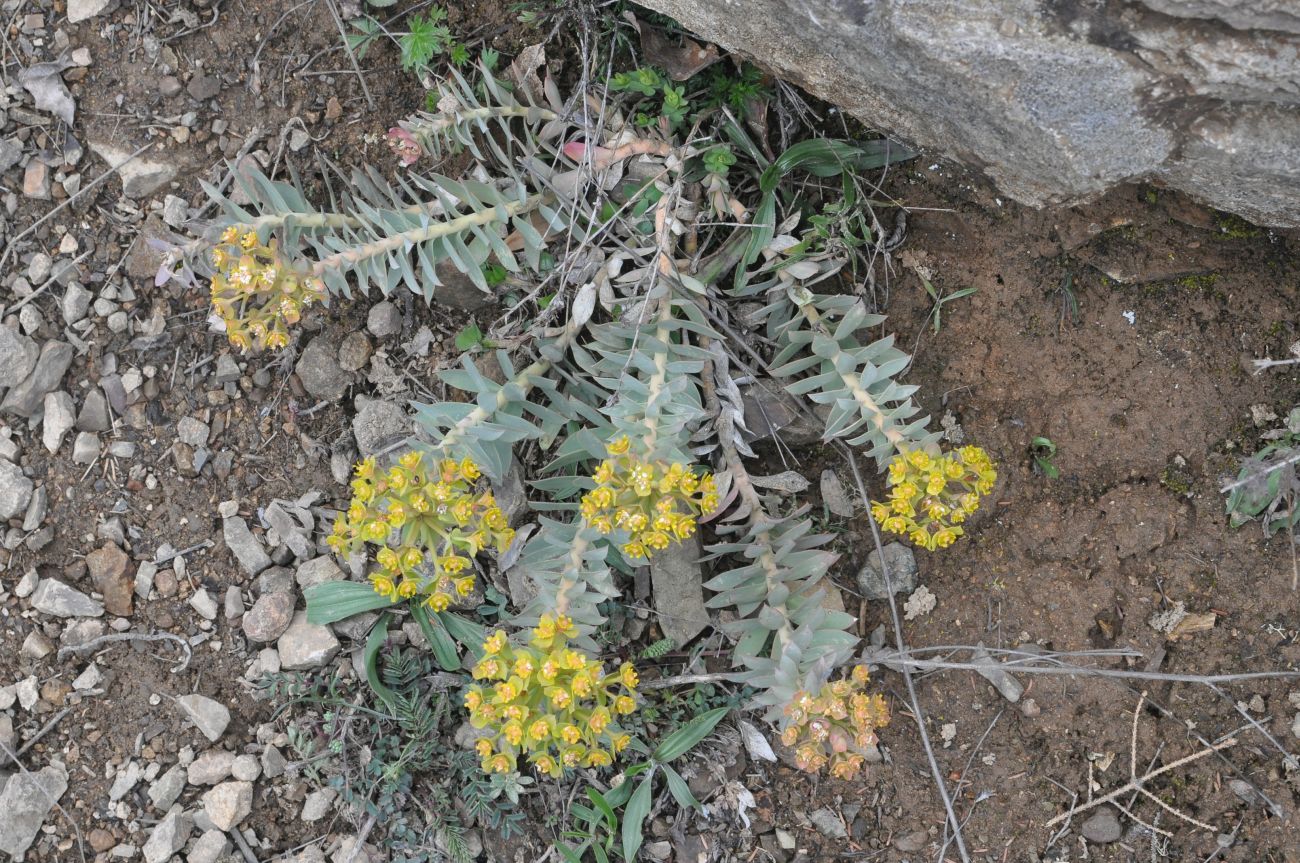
[(203, 603), (26, 801), (306, 645), (59, 417), (15, 491), (269, 617), (110, 573), (320, 372), (54, 597), (210, 717), (318, 570), (902, 572), (245, 547), (384, 320), (378, 424), (94, 413), (24, 398), (18, 356), (1103, 827), (85, 448)]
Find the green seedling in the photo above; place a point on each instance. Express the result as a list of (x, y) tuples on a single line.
[(940, 299), (1044, 451)]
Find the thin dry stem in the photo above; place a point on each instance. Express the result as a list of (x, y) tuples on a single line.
[(1138, 783)]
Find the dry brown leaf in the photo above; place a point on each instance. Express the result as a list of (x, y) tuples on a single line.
[(523, 73), (679, 61), (1192, 623)]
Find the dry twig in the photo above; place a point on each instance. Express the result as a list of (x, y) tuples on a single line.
[(1138, 783), (131, 636)]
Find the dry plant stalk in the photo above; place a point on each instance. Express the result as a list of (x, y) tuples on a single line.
[(1137, 783)]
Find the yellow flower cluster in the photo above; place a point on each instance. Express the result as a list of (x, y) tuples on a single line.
[(655, 503), (836, 726), (930, 496), (429, 521), (256, 294), (547, 702)]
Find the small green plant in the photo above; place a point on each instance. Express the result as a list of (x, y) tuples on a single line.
[(615, 399), (673, 105), (939, 299), (427, 38), (1043, 451), (469, 338), (1069, 302), (613, 825), (735, 89), (409, 778), (1267, 488)]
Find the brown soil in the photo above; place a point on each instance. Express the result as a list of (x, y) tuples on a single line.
[(1148, 415)]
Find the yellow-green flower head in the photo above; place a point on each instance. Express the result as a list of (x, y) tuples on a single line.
[(654, 503), (546, 703), (429, 521), (835, 727), (931, 495), (256, 293)]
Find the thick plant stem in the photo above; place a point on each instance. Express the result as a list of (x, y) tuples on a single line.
[(572, 573), (316, 221), (664, 267), (524, 382), (416, 236), (876, 415)]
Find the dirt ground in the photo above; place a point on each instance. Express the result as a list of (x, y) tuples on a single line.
[(1147, 394)]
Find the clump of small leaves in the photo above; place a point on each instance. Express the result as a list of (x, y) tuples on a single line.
[(930, 496), (256, 294), (429, 521), (673, 105), (423, 792), (1267, 488), (428, 37), (550, 704), (836, 726)]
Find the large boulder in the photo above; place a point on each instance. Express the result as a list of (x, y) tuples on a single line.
[(1055, 102)]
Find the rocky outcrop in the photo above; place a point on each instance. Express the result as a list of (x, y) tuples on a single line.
[(1054, 100)]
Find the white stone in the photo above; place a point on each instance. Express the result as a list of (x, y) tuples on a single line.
[(229, 803), (167, 789), (210, 717), (204, 604), (245, 768), (60, 416), (208, 848), (317, 805), (306, 645), (88, 679), (83, 10), (54, 597), (169, 836), (210, 767), (85, 448)]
